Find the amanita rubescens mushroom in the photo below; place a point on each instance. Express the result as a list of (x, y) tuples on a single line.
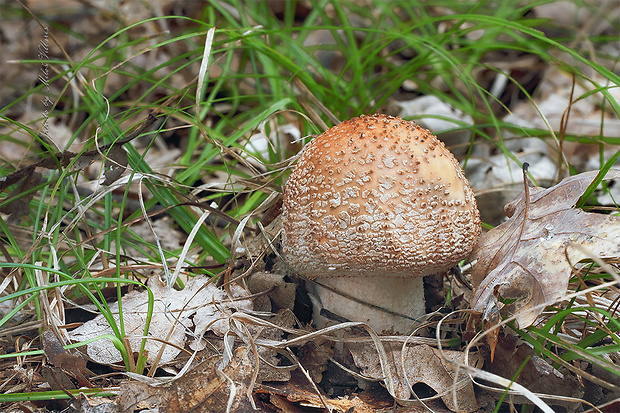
[(373, 205)]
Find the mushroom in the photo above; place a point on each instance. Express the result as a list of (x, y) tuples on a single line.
[(373, 205)]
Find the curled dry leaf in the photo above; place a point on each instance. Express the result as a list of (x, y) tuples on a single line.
[(422, 364), (529, 258), (67, 363)]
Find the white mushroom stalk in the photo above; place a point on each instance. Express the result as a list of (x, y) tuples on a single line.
[(372, 206)]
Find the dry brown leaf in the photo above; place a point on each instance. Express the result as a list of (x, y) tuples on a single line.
[(422, 364), (66, 362), (314, 356), (84, 404), (529, 257), (207, 388), (514, 358), (279, 292), (21, 206), (296, 395), (118, 163), (268, 356)]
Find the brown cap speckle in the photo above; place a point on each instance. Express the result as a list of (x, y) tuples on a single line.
[(377, 196)]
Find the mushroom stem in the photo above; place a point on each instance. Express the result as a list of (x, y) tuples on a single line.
[(400, 301)]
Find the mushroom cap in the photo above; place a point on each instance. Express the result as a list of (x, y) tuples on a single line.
[(377, 196)]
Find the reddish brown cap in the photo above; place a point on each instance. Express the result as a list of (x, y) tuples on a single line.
[(377, 196)]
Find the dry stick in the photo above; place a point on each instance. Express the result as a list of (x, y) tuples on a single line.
[(63, 159), (312, 383), (313, 115), (563, 124), (203, 205)]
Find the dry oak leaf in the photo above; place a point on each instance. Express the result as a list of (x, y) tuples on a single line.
[(529, 257), (177, 315), (419, 364)]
